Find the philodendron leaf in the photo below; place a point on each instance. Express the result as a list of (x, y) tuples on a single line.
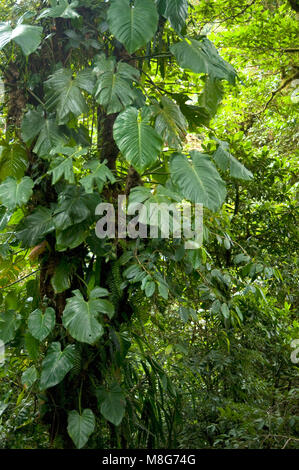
[(13, 161), (61, 280), (198, 179), (136, 139), (74, 206), (62, 9), (225, 160), (33, 228), (170, 122), (64, 93), (80, 317), (49, 134), (100, 174), (112, 404), (80, 426), (133, 24), (56, 365), (63, 167), (176, 11), (41, 324), (9, 324), (14, 193), (29, 377), (114, 88), (202, 57), (26, 36)]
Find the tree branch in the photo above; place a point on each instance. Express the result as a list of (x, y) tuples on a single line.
[(280, 88)]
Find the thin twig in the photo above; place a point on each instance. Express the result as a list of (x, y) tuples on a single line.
[(19, 280)]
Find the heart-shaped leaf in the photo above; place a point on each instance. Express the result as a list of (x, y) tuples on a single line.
[(225, 160), (198, 179), (80, 427), (9, 323), (34, 227), (26, 36), (133, 24), (41, 324), (29, 377), (56, 365), (136, 139), (202, 57), (112, 404), (13, 193), (80, 317)]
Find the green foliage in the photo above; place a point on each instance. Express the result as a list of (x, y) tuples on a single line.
[(41, 324), (9, 323), (26, 36), (178, 347), (113, 87), (170, 123), (61, 9), (29, 376), (112, 404), (64, 95), (56, 365), (34, 228), (80, 426), (49, 134), (136, 139), (198, 180), (80, 318), (176, 11), (13, 161), (14, 194), (225, 160), (132, 25), (202, 57)]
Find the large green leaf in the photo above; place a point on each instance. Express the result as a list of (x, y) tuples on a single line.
[(114, 88), (176, 11), (61, 279), (170, 122), (136, 139), (35, 227), (41, 324), (49, 134), (198, 180), (80, 317), (31, 124), (100, 174), (13, 161), (225, 160), (26, 36), (112, 404), (202, 57), (56, 365), (9, 324), (210, 99), (80, 427), (13, 193), (155, 209), (64, 94), (133, 24), (73, 236), (29, 376), (62, 168), (61, 9), (74, 206)]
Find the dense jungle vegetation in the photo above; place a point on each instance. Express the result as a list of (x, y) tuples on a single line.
[(142, 343)]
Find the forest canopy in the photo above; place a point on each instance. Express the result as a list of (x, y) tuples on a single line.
[(116, 342)]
